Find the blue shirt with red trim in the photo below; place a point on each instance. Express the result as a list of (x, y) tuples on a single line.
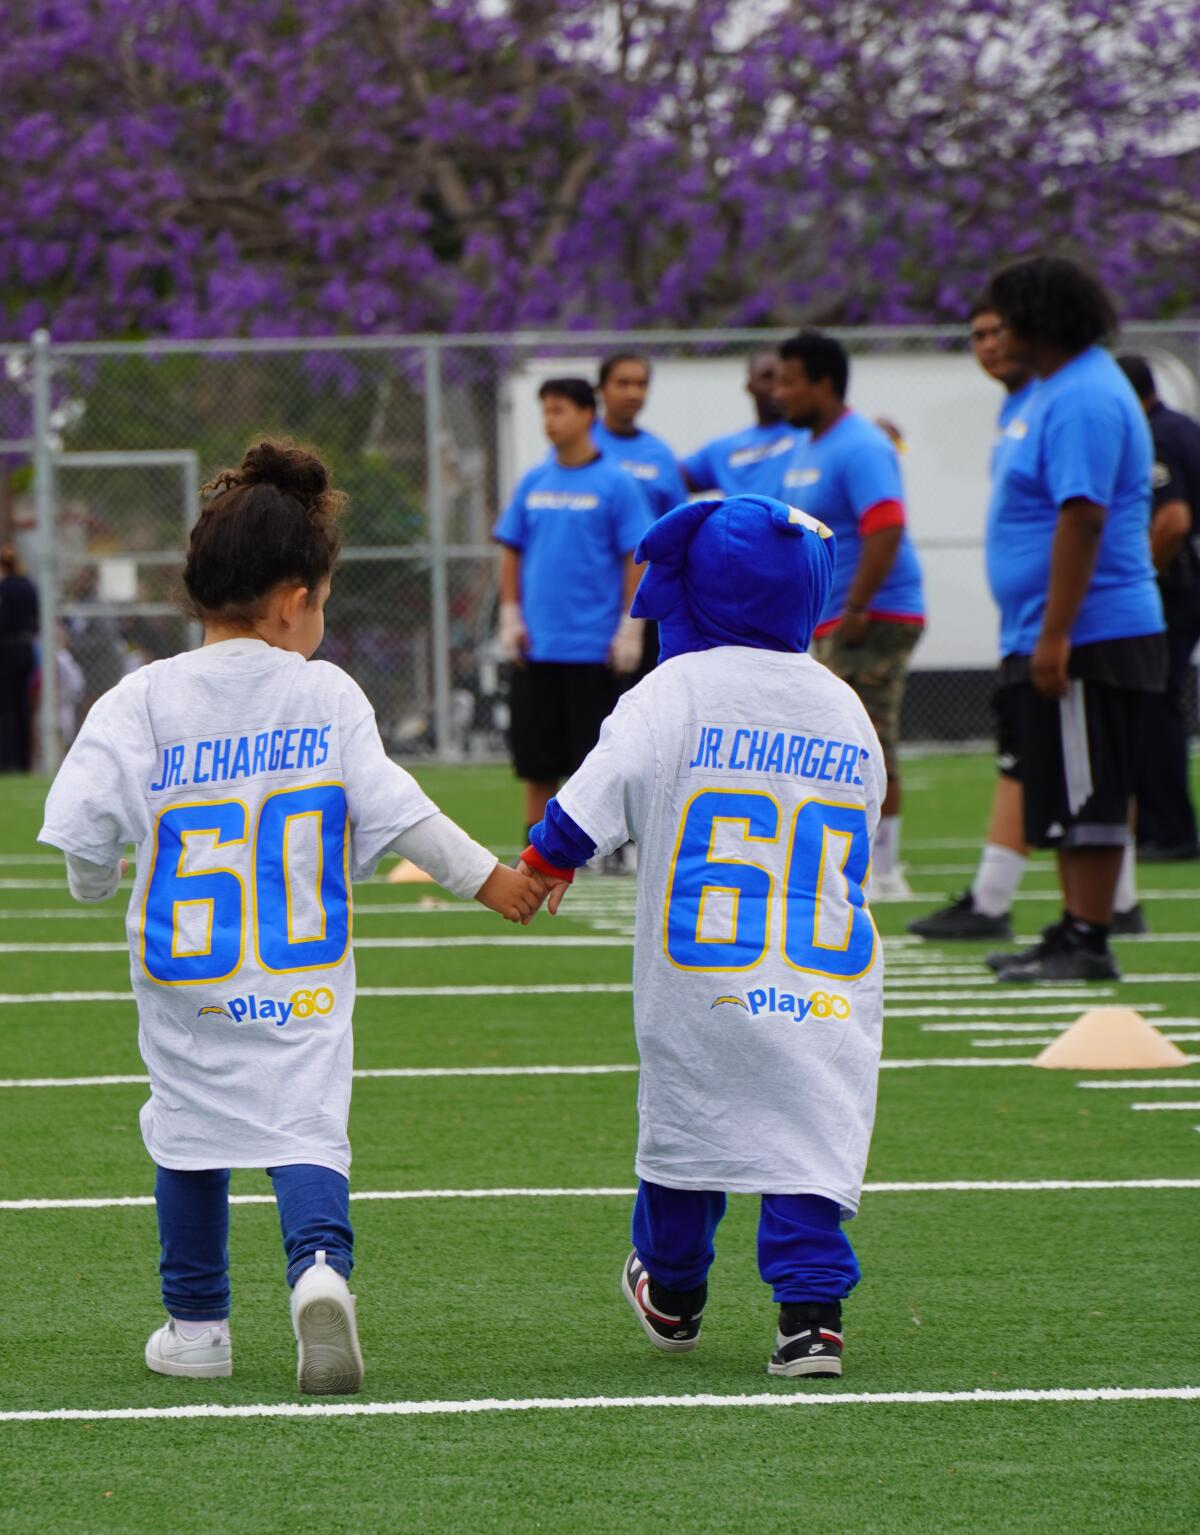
[(849, 479)]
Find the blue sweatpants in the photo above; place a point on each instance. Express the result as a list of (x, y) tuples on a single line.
[(803, 1253), (193, 1227)]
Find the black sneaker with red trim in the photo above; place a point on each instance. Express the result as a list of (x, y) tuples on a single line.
[(670, 1318), (809, 1340)]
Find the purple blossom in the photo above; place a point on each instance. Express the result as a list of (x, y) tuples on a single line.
[(220, 166)]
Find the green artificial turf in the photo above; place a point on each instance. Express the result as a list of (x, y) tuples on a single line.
[(517, 1298)]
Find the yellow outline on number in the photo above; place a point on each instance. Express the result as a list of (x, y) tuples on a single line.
[(741, 863), (332, 783), (319, 817), (177, 953), (829, 975), (218, 841)]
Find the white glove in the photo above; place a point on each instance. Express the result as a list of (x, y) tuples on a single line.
[(625, 652), (514, 637)]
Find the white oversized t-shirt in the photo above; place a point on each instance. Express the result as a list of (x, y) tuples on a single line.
[(255, 787), (751, 782)]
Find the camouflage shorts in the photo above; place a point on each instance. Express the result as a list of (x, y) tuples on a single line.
[(877, 671)]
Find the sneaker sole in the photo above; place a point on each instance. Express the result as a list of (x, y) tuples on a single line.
[(330, 1363), (216, 1371), (664, 1345), (814, 1367)]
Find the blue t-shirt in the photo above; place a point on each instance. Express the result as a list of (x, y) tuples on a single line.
[(748, 463), (1080, 433), (838, 478), (573, 528), (1014, 408), (648, 459)]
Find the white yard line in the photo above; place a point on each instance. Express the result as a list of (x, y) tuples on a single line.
[(796, 1400), (567, 989), (1149, 1108), (1122, 1083), (1024, 1041), (899, 1064), (947, 1186), (1008, 996), (1041, 1009), (466, 941), (996, 1028)]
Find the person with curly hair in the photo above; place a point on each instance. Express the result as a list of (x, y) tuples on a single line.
[(1081, 621)]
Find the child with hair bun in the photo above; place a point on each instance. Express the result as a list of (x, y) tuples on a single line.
[(254, 787)]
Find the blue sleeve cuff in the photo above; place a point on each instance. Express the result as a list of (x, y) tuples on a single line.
[(560, 842)]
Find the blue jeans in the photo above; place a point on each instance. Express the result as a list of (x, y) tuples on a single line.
[(803, 1253), (193, 1227)]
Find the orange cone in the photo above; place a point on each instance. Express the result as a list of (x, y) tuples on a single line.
[(1111, 1039)]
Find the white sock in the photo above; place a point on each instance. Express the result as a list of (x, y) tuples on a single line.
[(886, 852), (1126, 897), (997, 879), (190, 1331)]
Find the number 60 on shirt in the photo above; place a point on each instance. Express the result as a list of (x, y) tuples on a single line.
[(828, 851), (220, 893)]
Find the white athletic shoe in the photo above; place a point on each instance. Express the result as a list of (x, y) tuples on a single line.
[(329, 1360), (201, 1358), (889, 887)]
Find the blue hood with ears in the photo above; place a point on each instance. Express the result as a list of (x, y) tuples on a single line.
[(748, 570)]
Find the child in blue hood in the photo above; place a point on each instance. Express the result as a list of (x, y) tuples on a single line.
[(750, 779)]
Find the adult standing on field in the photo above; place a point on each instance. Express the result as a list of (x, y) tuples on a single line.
[(1081, 621), (1166, 819), (18, 630), (567, 578), (985, 910), (844, 471), (748, 462), (624, 387)]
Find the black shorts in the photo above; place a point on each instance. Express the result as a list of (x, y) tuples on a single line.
[(557, 708), (1008, 733), (1078, 759)]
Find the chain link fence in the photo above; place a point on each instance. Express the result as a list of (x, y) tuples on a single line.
[(105, 446)]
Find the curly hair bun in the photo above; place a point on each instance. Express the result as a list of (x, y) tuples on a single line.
[(280, 462)]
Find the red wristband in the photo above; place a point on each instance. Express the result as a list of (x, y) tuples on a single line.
[(534, 859)]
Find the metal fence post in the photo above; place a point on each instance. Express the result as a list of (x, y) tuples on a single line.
[(435, 498), (47, 573)]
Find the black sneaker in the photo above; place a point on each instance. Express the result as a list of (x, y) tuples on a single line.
[(809, 1340), (670, 1318), (1000, 959), (961, 919), (1062, 956), (1129, 923)]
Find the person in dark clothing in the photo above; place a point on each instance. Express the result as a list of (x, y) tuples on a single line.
[(1166, 818), (18, 629)]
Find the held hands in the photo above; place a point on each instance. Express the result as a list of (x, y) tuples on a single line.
[(1048, 665), (514, 637), (508, 893), (554, 888), (625, 652)]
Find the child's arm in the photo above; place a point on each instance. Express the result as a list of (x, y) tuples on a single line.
[(89, 881), (602, 806), (459, 864)]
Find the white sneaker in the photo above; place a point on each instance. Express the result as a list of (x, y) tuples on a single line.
[(202, 1357), (890, 887), (329, 1360)]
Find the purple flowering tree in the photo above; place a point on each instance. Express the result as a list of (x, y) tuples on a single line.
[(195, 167)]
